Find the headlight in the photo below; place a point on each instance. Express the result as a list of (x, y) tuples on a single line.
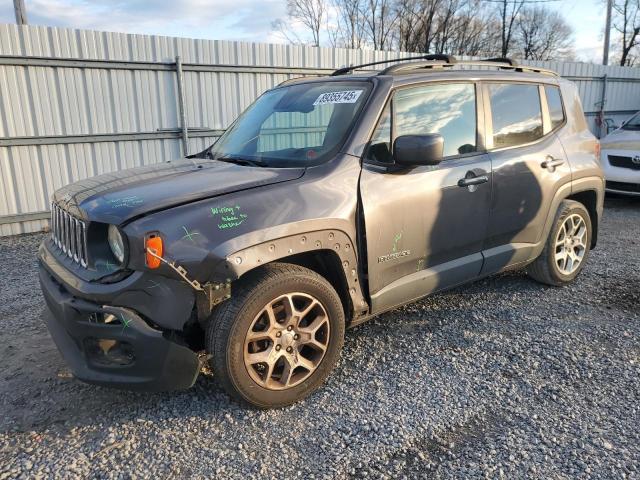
[(116, 243)]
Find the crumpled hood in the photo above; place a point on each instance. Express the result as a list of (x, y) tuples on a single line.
[(120, 196), (622, 140)]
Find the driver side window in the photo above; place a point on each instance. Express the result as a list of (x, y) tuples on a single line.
[(445, 108)]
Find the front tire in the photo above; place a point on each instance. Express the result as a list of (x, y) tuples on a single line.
[(567, 248), (278, 337)]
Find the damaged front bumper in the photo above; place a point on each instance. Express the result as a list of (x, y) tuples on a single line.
[(114, 346)]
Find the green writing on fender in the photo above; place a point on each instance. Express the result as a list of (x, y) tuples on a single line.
[(229, 217)]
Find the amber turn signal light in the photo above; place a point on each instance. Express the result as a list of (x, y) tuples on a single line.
[(153, 243)]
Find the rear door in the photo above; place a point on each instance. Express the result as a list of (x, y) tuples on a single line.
[(424, 226), (529, 165)]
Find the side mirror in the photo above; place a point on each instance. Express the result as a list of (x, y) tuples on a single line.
[(418, 149)]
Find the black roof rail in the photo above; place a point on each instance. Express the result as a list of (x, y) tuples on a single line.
[(400, 67), (508, 61), (510, 64), (441, 57), (499, 63), (439, 61), (432, 57)]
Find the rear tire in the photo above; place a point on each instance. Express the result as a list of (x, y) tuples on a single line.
[(567, 248), (278, 337)]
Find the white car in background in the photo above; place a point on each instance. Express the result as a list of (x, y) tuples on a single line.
[(621, 158)]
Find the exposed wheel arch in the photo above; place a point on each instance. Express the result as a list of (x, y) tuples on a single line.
[(589, 198), (330, 253), (327, 264)]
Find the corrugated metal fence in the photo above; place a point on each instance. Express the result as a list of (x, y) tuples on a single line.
[(77, 103)]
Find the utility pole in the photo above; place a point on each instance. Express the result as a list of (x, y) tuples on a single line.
[(607, 34), (21, 12)]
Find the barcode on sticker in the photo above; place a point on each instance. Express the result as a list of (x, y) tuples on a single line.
[(346, 96)]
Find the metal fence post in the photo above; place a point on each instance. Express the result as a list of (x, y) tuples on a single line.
[(181, 104), (603, 101), (21, 12)]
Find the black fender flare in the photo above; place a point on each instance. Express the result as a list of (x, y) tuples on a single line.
[(242, 261)]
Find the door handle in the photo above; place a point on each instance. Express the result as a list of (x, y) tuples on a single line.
[(551, 163), (469, 181)]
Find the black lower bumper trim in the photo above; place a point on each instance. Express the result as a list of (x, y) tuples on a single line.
[(623, 187), (155, 362)]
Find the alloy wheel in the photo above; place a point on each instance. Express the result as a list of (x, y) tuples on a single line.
[(287, 341), (571, 244)]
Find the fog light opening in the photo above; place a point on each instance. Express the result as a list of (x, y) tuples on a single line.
[(105, 319), (109, 352)]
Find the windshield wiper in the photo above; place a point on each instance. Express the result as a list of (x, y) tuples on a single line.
[(241, 161)]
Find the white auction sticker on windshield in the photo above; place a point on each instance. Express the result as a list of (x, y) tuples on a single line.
[(345, 96)]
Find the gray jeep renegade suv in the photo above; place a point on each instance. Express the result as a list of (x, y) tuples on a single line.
[(328, 201)]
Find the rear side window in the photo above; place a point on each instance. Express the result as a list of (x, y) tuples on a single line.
[(516, 114), (554, 100), (448, 109)]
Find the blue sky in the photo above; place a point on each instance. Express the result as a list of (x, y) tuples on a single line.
[(239, 19), (587, 18)]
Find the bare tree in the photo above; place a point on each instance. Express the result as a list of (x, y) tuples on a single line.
[(508, 12), (425, 25), (448, 24), (311, 14), (628, 24), (543, 34), (458, 27), (407, 12), (476, 32), (285, 30), (350, 31), (380, 19)]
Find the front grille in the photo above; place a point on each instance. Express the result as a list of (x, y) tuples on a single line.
[(69, 234), (624, 162), (624, 187)]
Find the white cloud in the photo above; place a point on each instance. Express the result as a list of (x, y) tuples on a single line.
[(213, 19), (243, 19)]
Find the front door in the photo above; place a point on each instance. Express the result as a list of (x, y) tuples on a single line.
[(425, 226)]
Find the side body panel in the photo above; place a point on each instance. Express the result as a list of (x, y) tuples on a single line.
[(211, 238), (523, 193), (578, 141), (526, 196), (522, 197), (424, 232), (580, 146)]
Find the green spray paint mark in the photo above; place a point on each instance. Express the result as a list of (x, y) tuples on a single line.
[(129, 201), (125, 322), (224, 210), (106, 265), (228, 217), (396, 239), (189, 234)]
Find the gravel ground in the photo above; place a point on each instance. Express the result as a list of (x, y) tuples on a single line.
[(502, 378)]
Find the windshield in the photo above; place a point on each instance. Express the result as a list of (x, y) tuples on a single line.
[(633, 124), (293, 126)]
